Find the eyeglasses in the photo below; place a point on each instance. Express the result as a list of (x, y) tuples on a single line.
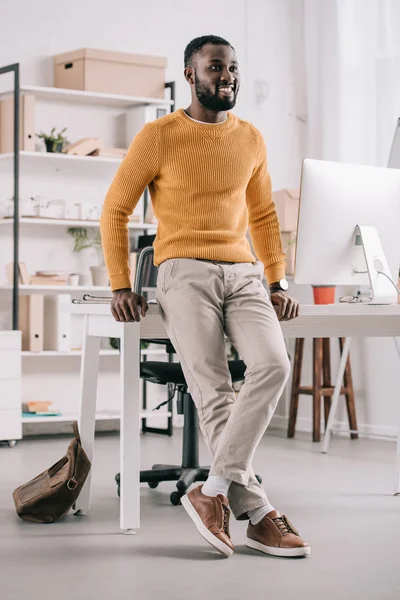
[(355, 299)]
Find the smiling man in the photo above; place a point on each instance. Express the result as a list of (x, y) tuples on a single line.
[(207, 174)]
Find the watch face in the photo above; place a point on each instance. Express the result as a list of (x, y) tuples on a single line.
[(284, 285)]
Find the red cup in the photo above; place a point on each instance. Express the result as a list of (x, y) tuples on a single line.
[(324, 295)]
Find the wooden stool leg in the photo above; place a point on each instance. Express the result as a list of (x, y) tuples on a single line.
[(326, 375), (350, 402), (317, 372), (294, 396)]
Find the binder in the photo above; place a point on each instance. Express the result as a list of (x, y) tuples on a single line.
[(57, 326), (27, 123), (31, 322)]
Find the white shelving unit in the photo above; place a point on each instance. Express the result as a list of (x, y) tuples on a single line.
[(43, 243), (56, 157), (55, 353), (101, 416), (26, 289), (64, 95), (70, 223)]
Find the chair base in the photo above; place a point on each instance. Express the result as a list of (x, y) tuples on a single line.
[(184, 476)]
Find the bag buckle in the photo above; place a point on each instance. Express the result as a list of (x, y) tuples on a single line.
[(72, 484)]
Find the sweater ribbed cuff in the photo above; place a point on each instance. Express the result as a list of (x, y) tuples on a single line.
[(275, 272), (120, 281)]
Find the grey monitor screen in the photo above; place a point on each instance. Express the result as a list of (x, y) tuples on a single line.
[(394, 158)]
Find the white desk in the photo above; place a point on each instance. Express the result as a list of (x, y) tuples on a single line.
[(338, 320)]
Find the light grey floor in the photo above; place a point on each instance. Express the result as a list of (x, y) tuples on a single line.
[(341, 503)]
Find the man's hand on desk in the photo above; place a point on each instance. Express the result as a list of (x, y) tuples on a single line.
[(126, 306), (286, 308)]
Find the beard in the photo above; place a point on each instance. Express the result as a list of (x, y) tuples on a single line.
[(211, 100)]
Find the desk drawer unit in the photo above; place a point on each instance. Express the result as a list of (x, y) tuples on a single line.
[(10, 386)]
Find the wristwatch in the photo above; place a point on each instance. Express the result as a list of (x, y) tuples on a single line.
[(281, 285)]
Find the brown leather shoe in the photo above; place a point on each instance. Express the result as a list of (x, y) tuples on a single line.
[(276, 535), (211, 515)]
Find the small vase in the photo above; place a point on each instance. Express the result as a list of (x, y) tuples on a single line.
[(324, 294), (49, 145), (100, 276)]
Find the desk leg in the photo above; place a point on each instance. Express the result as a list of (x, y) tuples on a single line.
[(130, 428), (336, 395), (397, 476), (87, 411)]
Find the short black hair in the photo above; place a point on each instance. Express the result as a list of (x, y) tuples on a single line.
[(197, 44)]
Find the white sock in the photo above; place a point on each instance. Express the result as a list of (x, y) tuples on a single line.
[(216, 485), (257, 514)]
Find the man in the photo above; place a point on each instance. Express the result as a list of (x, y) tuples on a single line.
[(207, 174)]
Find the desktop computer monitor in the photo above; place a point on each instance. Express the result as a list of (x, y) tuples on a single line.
[(348, 227), (394, 157)]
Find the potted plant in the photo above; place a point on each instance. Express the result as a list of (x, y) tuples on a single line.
[(54, 142), (84, 241)]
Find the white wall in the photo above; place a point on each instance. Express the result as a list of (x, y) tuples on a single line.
[(261, 32), (268, 37)]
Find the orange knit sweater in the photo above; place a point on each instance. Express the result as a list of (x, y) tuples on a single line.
[(208, 183)]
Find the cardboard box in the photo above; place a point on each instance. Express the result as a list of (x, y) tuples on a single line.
[(26, 124), (287, 206), (289, 248), (110, 72)]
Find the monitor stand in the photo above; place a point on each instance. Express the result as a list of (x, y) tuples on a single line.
[(382, 290)]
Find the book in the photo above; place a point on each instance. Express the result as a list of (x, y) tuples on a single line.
[(60, 274), (84, 146), (49, 278), (110, 152), (23, 273), (134, 218), (55, 413), (10, 273), (36, 406), (48, 281)]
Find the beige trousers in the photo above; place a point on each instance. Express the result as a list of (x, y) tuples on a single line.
[(201, 301)]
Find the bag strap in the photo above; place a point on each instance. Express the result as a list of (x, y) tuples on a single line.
[(72, 483), (76, 431)]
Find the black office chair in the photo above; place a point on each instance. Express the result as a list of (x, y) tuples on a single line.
[(171, 374)]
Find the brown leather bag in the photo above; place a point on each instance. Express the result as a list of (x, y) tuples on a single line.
[(52, 494)]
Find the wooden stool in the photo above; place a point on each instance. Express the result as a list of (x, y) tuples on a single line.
[(321, 371)]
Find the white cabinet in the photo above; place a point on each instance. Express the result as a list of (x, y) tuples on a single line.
[(10, 386)]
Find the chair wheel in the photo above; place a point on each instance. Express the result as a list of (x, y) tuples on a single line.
[(153, 484), (175, 498), (259, 478)]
